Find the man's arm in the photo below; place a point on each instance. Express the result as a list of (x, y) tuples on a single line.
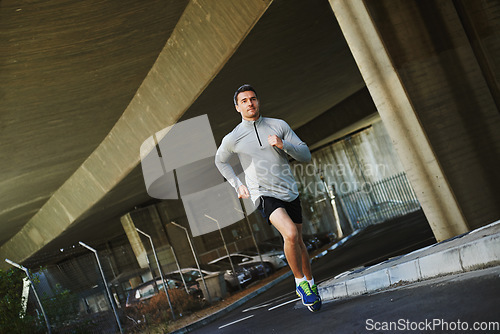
[(291, 144), (224, 153)]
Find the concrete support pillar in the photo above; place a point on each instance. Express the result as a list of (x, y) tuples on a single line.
[(397, 111), (135, 240)]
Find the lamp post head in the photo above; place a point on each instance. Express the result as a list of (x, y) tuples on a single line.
[(87, 246), (175, 224), (18, 266), (215, 220), (145, 234)]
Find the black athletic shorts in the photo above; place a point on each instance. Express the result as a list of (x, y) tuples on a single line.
[(268, 204)]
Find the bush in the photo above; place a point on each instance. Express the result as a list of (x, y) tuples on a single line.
[(62, 311), (12, 317), (156, 310)]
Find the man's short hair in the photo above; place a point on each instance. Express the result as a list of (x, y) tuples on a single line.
[(244, 88)]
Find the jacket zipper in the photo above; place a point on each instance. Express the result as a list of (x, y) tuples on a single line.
[(257, 133)]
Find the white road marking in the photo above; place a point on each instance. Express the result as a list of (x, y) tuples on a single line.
[(282, 304), (269, 302), (232, 323), (256, 307)]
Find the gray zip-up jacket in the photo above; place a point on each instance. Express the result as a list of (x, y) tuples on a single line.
[(267, 171)]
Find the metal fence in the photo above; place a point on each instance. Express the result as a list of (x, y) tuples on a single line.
[(379, 201), (81, 293)]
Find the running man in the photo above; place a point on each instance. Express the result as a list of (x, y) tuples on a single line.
[(263, 145)]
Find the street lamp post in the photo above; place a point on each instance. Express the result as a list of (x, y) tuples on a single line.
[(34, 291), (165, 287), (225, 246), (331, 196), (105, 284), (171, 248), (195, 259), (179, 268), (251, 233)]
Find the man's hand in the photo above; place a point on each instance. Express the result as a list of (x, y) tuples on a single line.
[(243, 192), (275, 141)]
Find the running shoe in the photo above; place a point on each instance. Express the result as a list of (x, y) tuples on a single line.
[(316, 306), (304, 292)]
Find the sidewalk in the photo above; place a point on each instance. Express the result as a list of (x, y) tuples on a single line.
[(477, 249), (471, 251)]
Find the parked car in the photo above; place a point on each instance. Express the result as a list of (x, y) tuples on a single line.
[(233, 280), (190, 279), (386, 210), (151, 288), (311, 242), (326, 238), (252, 262), (256, 269), (269, 248), (275, 258)]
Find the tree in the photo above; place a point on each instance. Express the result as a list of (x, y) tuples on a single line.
[(12, 317)]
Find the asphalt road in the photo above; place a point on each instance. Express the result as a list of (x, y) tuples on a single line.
[(453, 304), (277, 311)]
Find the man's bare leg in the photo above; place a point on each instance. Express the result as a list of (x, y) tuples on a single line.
[(294, 247), (297, 256), (306, 261)]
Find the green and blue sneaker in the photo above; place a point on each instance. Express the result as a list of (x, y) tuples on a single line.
[(316, 306), (304, 291)]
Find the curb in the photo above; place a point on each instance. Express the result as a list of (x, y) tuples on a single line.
[(214, 316), (479, 253)]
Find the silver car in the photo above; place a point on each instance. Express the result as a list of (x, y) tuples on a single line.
[(233, 280)]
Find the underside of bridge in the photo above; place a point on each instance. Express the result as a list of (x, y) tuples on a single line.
[(84, 83), (72, 72)]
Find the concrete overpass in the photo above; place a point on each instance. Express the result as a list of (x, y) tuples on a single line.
[(83, 84)]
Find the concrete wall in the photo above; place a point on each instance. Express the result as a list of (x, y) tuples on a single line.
[(348, 163), (366, 156), (451, 93), (430, 67)]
